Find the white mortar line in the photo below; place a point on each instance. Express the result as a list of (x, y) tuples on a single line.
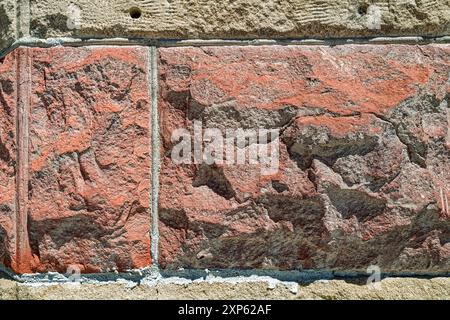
[(78, 42), (223, 275)]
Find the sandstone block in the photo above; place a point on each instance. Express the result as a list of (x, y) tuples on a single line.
[(238, 19), (8, 23)]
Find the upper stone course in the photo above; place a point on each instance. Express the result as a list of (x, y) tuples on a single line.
[(228, 19)]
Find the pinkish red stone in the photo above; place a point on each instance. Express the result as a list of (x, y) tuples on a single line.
[(364, 158), (8, 153), (89, 160)]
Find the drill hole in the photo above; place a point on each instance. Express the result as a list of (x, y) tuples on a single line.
[(135, 13), (363, 8)]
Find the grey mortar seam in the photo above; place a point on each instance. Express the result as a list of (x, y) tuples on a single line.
[(80, 42), (155, 143), (145, 275)]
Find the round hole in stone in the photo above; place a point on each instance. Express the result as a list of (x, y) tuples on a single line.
[(135, 12), (362, 9)]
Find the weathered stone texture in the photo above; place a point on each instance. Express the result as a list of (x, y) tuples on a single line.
[(8, 290), (388, 289), (88, 175), (8, 23), (364, 158), (8, 161), (242, 18), (90, 159), (86, 291)]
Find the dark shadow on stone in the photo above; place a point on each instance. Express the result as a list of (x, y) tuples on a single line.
[(214, 178), (5, 257), (356, 203)]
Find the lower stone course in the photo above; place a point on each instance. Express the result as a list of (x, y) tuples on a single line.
[(391, 288)]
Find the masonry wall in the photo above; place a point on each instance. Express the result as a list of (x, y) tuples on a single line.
[(93, 98)]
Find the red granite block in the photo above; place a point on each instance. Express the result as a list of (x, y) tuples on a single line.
[(364, 158), (83, 173), (8, 159), (90, 158)]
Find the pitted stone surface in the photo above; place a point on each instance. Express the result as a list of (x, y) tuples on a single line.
[(239, 19), (387, 289), (364, 158), (8, 23), (89, 159), (8, 161), (209, 19)]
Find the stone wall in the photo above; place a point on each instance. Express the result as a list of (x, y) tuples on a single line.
[(350, 98)]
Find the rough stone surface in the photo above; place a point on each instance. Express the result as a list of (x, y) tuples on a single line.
[(86, 291), (8, 152), (89, 160), (239, 19), (8, 23), (364, 158), (388, 289), (8, 290)]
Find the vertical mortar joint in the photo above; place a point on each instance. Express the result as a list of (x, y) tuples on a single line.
[(153, 72)]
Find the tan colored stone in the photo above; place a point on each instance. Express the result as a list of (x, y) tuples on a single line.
[(239, 18), (252, 290), (8, 23), (88, 291), (8, 290), (389, 289)]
